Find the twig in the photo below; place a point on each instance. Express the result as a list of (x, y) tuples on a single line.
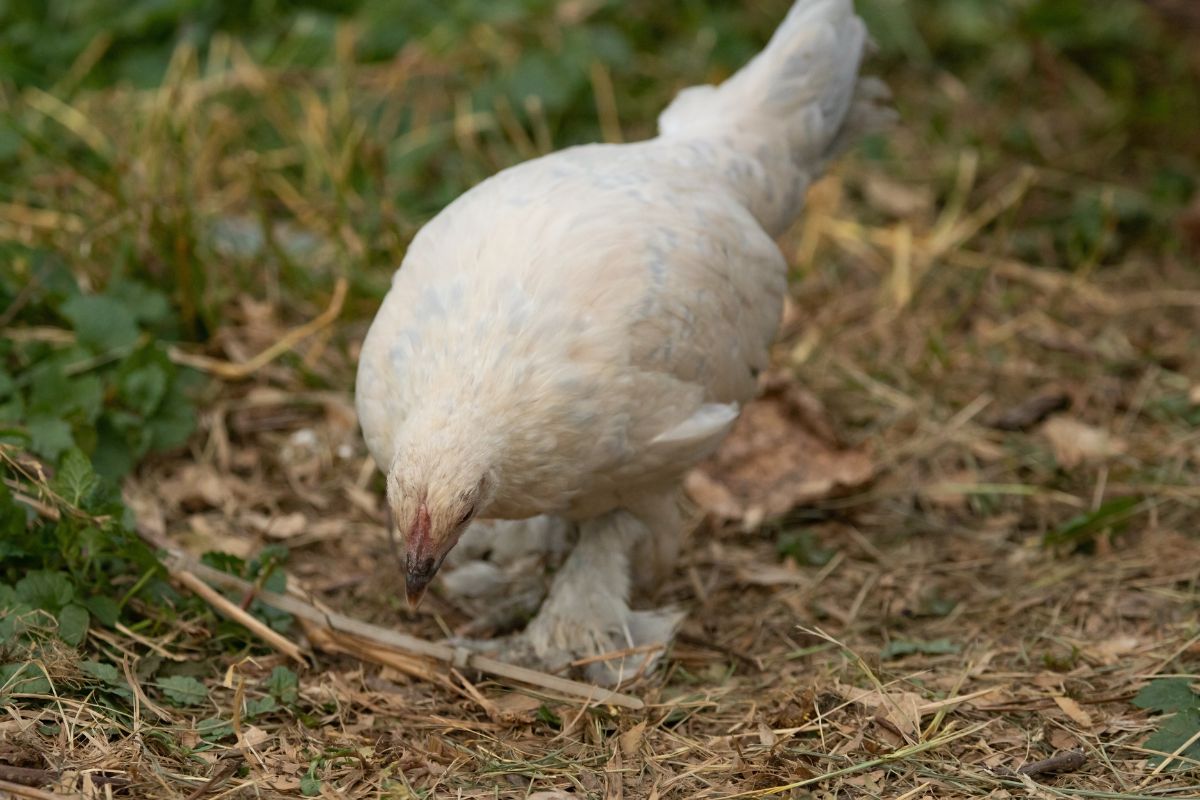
[(331, 640), (46, 510), (227, 766), (140, 699), (27, 776), (1067, 761), (17, 790), (231, 610), (405, 645), (231, 371)]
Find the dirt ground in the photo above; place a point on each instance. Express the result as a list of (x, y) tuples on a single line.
[(1013, 557), (940, 558)]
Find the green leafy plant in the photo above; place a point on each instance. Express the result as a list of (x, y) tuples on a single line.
[(261, 571), (71, 561), (903, 647), (1111, 516), (284, 686), (76, 562), (1173, 696), (182, 690), (98, 379)]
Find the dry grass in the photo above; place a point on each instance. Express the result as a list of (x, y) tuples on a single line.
[(962, 626)]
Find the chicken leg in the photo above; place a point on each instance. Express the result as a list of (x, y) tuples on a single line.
[(586, 612)]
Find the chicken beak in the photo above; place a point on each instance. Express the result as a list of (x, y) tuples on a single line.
[(421, 560)]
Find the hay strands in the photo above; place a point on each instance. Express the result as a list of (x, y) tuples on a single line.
[(336, 632)]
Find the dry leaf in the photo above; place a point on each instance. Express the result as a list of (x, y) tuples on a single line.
[(1075, 443), (276, 527), (1061, 740), (766, 736), (253, 736), (1075, 711), (631, 740), (782, 453), (951, 491), (1110, 651), (902, 709), (515, 707), (205, 534), (284, 783), (195, 487)]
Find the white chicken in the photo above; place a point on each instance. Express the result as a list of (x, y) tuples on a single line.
[(573, 334)]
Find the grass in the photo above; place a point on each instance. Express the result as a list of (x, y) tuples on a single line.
[(1023, 233)]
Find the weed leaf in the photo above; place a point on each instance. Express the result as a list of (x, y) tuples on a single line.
[(1173, 734), (284, 686), (76, 480), (1167, 695), (23, 678), (103, 609), (98, 670), (183, 690), (101, 323), (47, 590), (902, 647), (73, 624), (1086, 526)]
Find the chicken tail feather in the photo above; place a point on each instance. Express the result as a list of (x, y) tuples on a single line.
[(790, 110)]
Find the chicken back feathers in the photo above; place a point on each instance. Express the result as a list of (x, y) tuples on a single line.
[(589, 323)]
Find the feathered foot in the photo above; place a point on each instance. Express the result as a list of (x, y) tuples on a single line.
[(586, 619), (499, 571)]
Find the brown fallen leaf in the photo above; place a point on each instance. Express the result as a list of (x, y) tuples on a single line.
[(1110, 651), (782, 453), (282, 526), (1060, 739), (952, 491), (517, 707), (1075, 443), (1073, 710), (631, 740), (206, 533), (195, 487), (901, 709)]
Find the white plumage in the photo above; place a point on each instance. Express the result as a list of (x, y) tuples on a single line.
[(574, 333)]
